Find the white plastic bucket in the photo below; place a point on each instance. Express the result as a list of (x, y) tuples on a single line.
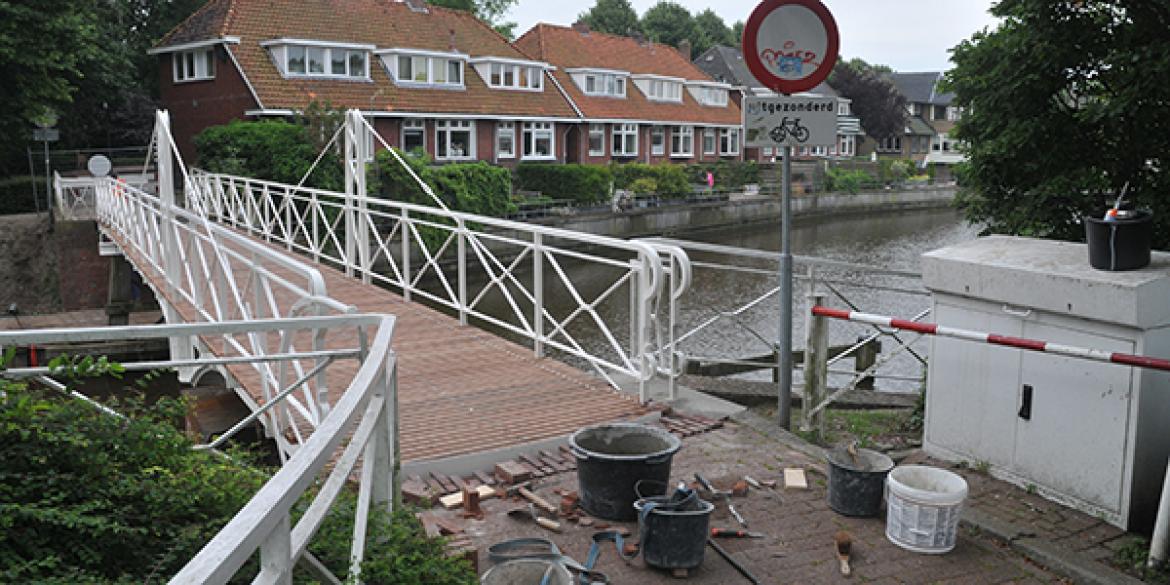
[(923, 506)]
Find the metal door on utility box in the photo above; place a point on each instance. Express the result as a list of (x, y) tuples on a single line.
[(1073, 417), (971, 406)]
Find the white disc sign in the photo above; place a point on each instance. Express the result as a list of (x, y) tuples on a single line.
[(791, 45), (99, 165)]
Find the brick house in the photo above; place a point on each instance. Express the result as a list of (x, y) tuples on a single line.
[(931, 117), (441, 80), (638, 100), (726, 64)]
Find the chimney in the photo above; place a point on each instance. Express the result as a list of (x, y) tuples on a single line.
[(417, 5), (637, 36), (684, 47), (451, 39), (581, 27)]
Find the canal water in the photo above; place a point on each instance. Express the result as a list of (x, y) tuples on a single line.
[(892, 240)]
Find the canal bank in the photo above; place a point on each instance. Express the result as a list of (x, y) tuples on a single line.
[(746, 209)]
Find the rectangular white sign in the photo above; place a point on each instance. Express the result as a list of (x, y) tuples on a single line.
[(790, 121)]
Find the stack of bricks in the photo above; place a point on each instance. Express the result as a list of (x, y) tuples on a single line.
[(686, 425)]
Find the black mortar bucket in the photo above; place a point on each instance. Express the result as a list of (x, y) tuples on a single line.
[(1119, 244), (673, 539), (856, 486), (613, 458)]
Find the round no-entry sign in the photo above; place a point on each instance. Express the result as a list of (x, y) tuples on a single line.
[(790, 45)]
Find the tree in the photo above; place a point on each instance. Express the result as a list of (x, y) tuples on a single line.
[(712, 31), (489, 11), (881, 107), (670, 24), (1064, 105), (615, 17), (737, 32)]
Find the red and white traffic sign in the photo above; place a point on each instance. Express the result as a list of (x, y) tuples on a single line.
[(790, 45)]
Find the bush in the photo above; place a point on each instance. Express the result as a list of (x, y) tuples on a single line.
[(477, 187), (728, 174), (272, 150), (850, 181), (585, 184), (16, 194), (644, 186), (894, 170), (669, 180)]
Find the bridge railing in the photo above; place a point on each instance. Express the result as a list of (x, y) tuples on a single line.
[(207, 272), (362, 424), (513, 277)]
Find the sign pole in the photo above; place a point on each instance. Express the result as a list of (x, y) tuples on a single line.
[(784, 351)]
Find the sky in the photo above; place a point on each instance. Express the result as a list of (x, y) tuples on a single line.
[(908, 35)]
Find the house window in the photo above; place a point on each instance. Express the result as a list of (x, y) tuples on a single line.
[(625, 140), (505, 140), (194, 65), (890, 144), (304, 61), (842, 108), (666, 91), (846, 146), (597, 140), (414, 136), (429, 70), (658, 140), (605, 84), (682, 141), (940, 112), (708, 141), (953, 113), (919, 144), (316, 60), (915, 109), (729, 141), (538, 140), (712, 96), (507, 76), (454, 140)]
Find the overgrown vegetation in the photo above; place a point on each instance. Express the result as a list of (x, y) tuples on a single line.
[(86, 497), (16, 194), (584, 184), (273, 150), (478, 187), (729, 175), (665, 180)]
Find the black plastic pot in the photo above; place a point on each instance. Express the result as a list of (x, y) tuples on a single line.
[(856, 487), (613, 458), (673, 539), (1121, 244)]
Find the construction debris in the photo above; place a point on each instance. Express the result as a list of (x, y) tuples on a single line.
[(795, 478)]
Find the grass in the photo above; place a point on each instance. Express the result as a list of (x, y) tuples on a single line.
[(867, 427), (1131, 557)]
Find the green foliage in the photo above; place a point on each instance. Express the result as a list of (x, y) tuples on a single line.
[(1064, 104), (879, 105), (670, 24), (477, 187), (273, 150), (615, 17), (489, 11), (848, 180), (737, 32), (728, 174), (712, 31), (87, 497), (582, 183), (669, 180), (644, 186), (16, 194), (894, 170)]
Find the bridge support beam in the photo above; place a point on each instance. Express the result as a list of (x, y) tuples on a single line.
[(357, 238)]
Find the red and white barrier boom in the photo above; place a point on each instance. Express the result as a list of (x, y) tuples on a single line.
[(1139, 361)]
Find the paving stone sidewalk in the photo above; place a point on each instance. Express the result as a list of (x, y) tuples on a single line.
[(799, 524)]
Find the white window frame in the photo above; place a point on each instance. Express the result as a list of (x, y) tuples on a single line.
[(658, 141), (682, 142), (597, 131), (604, 84), (954, 113), (662, 90), (195, 65), (413, 125), (505, 129), (533, 76), (431, 66), (443, 131), (710, 141), (729, 140), (626, 134), (529, 135), (326, 53)]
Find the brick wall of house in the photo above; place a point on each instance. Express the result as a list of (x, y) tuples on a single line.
[(195, 105)]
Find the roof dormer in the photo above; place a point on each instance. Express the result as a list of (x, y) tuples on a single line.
[(660, 88), (320, 59), (423, 68), (709, 93), (513, 74), (600, 82)]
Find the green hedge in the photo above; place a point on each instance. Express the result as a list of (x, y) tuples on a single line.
[(273, 150), (728, 174), (582, 183), (666, 180), (476, 187), (16, 195)]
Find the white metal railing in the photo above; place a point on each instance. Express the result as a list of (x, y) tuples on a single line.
[(76, 198), (222, 276), (370, 403), (463, 261)]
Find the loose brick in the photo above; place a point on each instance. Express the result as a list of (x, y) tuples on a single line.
[(513, 472)]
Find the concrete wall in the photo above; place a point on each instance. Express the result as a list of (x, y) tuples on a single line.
[(656, 221)]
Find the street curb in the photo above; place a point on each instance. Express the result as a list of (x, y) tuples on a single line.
[(1058, 559)]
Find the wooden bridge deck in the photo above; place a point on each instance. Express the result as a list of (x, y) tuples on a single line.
[(461, 390)]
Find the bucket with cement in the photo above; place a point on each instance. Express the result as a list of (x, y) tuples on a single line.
[(924, 507), (613, 458), (856, 484)]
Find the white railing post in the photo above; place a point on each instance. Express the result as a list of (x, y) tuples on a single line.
[(276, 555), (166, 192), (357, 240), (816, 366), (386, 461), (404, 225), (461, 250), (538, 294)]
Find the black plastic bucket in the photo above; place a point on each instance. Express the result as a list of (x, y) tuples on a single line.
[(673, 539), (612, 458), (1120, 244), (856, 488)]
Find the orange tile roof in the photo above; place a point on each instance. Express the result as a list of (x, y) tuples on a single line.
[(382, 23), (566, 48)]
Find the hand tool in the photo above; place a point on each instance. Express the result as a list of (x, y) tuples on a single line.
[(844, 543), (738, 567), (726, 498), (728, 533), (529, 511)]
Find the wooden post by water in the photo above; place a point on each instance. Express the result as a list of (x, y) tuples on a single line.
[(816, 367)]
